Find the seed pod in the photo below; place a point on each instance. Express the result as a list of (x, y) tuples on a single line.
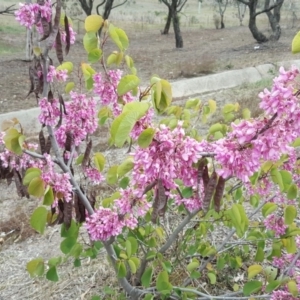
[(42, 141), (205, 177), (86, 156), (79, 209), (69, 141), (68, 213), (201, 166), (209, 191), (48, 145), (219, 193), (68, 39), (160, 201)]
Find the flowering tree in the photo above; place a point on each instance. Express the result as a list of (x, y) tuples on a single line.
[(175, 190)]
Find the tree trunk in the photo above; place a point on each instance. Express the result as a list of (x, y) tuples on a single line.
[(274, 19), (168, 23), (260, 37), (176, 26), (222, 22), (87, 6), (107, 9)]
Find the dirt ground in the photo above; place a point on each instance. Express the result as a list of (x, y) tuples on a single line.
[(205, 51)]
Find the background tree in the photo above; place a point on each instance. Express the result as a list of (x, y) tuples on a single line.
[(174, 7), (8, 10), (241, 11), (222, 5), (274, 18)]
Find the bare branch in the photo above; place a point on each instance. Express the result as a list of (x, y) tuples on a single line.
[(119, 4), (8, 10), (245, 2), (268, 9)]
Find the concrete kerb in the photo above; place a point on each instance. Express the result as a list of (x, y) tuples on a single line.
[(186, 88)]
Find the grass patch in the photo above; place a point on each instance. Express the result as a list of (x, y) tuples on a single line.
[(8, 49), (9, 29)]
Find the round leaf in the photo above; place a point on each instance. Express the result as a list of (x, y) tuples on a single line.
[(36, 187), (38, 219), (93, 23), (146, 137)]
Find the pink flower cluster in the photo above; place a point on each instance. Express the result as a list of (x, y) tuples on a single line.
[(60, 75), (27, 14), (49, 111), (80, 120), (282, 295), (108, 222), (93, 175), (106, 89), (60, 183), (276, 224)]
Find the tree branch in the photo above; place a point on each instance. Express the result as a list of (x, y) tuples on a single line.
[(98, 7), (8, 10), (182, 5), (119, 4), (245, 2), (268, 9)]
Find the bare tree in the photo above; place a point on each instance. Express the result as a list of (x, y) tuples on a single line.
[(87, 6), (174, 7), (8, 10), (274, 18), (241, 11), (222, 5)]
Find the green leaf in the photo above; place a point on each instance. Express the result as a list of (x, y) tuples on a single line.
[(99, 161), (123, 124), (162, 282), (36, 187), (36, 267), (112, 175), (69, 87), (72, 231), (239, 219), (121, 267), (11, 140), (127, 83), (167, 266), (49, 197), (94, 55), (90, 42), (192, 103), (38, 219), (93, 23), (296, 43), (148, 297), (126, 166), (30, 174), (212, 277), (124, 182), (252, 287), (268, 208), (254, 270), (228, 108), (67, 244), (212, 105), (146, 137), (270, 273), (122, 37), (290, 213), (187, 192), (273, 285), (67, 65), (292, 287), (132, 266), (215, 127), (276, 178), (260, 253), (292, 192), (290, 244), (54, 261), (193, 265), (128, 248), (296, 142), (147, 277), (134, 244), (52, 274), (246, 114), (162, 95)]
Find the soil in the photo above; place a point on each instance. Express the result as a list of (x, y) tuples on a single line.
[(205, 51)]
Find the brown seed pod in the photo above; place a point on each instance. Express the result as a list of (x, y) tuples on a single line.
[(42, 141), (160, 201), (68, 206), (219, 193), (205, 177), (209, 191), (86, 156)]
